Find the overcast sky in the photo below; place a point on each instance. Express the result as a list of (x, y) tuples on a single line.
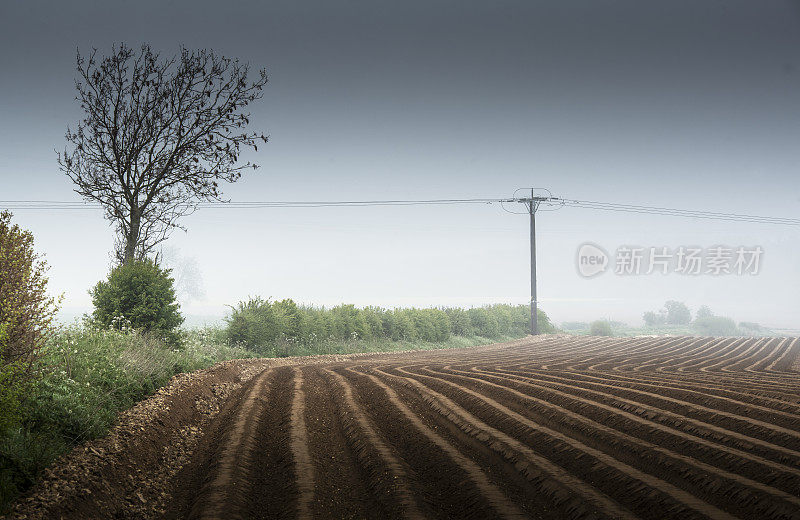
[(688, 104)]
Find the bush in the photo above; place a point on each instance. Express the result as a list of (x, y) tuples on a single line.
[(677, 313), (600, 328), (652, 319), (752, 326), (459, 322), (88, 375), (12, 390), (253, 325), (704, 312), (483, 322), (142, 295), (26, 311), (715, 326), (545, 326), (284, 327)]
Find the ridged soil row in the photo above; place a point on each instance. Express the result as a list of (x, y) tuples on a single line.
[(757, 361), (225, 494), (341, 485), (666, 356), (713, 484), (714, 387), (632, 358), (788, 414), (388, 476), (717, 361), (758, 350), (774, 385), (571, 497), (711, 350), (467, 492), (778, 354), (594, 353), (784, 361), (303, 468), (612, 352), (499, 471), (273, 487), (758, 428), (638, 491), (730, 438), (701, 349), (733, 453), (584, 349)]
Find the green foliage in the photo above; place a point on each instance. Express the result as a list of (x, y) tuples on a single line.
[(715, 326), (703, 312), (253, 325), (677, 313), (652, 319), (575, 325), (88, 375), (460, 323), (483, 322), (751, 326), (283, 327), (600, 328), (673, 313), (12, 390), (26, 311), (140, 294), (545, 325)]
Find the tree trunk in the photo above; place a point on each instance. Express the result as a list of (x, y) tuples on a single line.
[(132, 239)]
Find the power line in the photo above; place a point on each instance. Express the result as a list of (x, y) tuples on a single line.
[(552, 202), (655, 210), (49, 205)]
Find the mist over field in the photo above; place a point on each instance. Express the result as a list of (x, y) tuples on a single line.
[(690, 105)]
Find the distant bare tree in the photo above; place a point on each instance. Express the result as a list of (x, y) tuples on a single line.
[(158, 137)]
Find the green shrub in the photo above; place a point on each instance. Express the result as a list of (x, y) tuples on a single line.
[(253, 325), (575, 325), (545, 325), (600, 328), (12, 390), (89, 375), (483, 322), (751, 326), (283, 327), (677, 313), (715, 326), (460, 324), (26, 311), (142, 295)]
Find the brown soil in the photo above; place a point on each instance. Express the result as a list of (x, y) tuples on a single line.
[(546, 427)]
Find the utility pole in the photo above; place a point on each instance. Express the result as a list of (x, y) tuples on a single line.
[(532, 204)]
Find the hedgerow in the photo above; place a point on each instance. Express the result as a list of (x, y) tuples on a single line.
[(86, 376), (272, 327)]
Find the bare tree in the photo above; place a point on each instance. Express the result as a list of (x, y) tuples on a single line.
[(158, 137)]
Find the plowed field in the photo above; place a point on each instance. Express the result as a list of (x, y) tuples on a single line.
[(551, 427), (582, 428)]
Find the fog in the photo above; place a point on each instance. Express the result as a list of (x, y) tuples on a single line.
[(687, 104)]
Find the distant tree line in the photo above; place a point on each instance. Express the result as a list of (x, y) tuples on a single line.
[(258, 324), (705, 322)]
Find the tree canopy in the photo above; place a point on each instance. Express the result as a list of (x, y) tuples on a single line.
[(158, 136)]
